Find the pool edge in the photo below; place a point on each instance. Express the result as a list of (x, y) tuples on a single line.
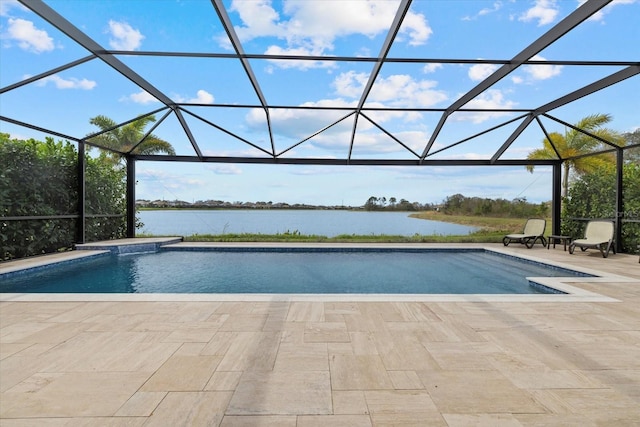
[(564, 284)]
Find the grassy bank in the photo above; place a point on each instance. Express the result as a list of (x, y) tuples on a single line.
[(491, 230), (488, 224)]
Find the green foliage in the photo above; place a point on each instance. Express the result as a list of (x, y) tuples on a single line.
[(128, 138), (380, 204), (501, 208), (477, 237), (593, 196), (41, 179), (573, 145)]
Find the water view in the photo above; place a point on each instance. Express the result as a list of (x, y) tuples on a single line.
[(328, 223)]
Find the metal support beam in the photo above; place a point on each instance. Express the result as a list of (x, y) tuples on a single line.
[(131, 197), (556, 199), (218, 5), (403, 8), (516, 133), (82, 215), (47, 13), (619, 198), (610, 80), (572, 20)]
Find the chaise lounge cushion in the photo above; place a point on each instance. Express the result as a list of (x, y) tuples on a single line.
[(598, 234), (533, 230)]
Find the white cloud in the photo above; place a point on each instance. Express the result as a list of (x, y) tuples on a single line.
[(371, 141), (600, 15), (225, 169), (28, 37), (142, 97), (123, 36), (479, 72), (299, 64), (541, 72), (313, 27), (431, 68), (350, 84), (485, 11), (70, 83), (404, 90), (202, 97), (259, 18), (7, 5), (544, 11), (301, 123), (417, 27), (488, 100), (395, 90), (159, 181)]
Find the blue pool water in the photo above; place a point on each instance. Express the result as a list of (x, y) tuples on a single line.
[(291, 271)]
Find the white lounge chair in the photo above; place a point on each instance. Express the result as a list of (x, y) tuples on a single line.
[(533, 230), (598, 234)]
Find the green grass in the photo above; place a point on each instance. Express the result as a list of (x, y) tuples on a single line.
[(346, 238), (503, 225)]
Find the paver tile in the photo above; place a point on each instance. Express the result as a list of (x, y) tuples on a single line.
[(183, 373), (259, 421), (71, 394), (334, 421), (282, 393), (358, 373), (476, 391), (205, 408)]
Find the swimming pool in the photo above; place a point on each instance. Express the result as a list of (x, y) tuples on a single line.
[(292, 271)]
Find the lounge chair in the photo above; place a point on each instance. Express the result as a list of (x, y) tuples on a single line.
[(533, 230), (598, 234)]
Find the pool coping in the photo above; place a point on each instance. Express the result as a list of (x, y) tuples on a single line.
[(573, 293)]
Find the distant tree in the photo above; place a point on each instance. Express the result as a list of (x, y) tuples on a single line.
[(574, 143), (130, 137), (371, 204), (476, 206), (632, 138)]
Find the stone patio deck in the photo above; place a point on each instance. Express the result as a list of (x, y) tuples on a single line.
[(329, 363)]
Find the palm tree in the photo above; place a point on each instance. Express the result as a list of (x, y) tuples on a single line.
[(574, 143), (128, 138)]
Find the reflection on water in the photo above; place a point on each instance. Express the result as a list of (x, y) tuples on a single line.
[(312, 222), (294, 271)]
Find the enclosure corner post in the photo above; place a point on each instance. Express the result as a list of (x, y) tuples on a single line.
[(82, 214), (131, 197), (619, 198), (556, 199)]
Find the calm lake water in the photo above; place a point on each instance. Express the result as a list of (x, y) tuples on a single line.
[(319, 222)]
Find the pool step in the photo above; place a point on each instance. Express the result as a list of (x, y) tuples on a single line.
[(130, 246)]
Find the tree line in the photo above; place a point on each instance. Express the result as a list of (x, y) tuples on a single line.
[(458, 204)]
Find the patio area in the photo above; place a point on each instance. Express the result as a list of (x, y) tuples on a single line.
[(315, 362)]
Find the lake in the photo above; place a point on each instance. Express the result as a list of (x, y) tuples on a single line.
[(328, 223)]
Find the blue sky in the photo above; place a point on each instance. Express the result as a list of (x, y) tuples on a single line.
[(443, 29)]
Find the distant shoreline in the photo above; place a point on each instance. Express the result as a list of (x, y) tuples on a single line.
[(241, 207)]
